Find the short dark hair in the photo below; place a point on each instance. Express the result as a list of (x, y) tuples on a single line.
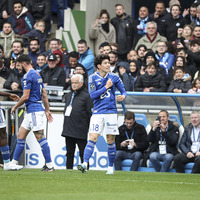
[(53, 39), (34, 39), (165, 112), (41, 54), (17, 1), (24, 58), (82, 41), (18, 41), (119, 5), (195, 41), (180, 49), (103, 44), (161, 2), (99, 59), (129, 115), (194, 5), (114, 53), (7, 23), (74, 54), (179, 68)]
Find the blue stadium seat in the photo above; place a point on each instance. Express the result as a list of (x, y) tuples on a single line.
[(141, 119)]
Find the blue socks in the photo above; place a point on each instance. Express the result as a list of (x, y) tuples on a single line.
[(5, 153), (111, 153), (45, 149), (19, 148), (89, 149)]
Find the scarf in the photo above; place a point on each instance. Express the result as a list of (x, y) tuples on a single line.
[(142, 26), (105, 27), (163, 62)]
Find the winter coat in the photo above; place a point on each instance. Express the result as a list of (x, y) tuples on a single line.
[(182, 84), (157, 81), (100, 36), (171, 27), (171, 137), (148, 44), (22, 23), (55, 76), (3, 6), (76, 125), (87, 60), (139, 136), (124, 33)]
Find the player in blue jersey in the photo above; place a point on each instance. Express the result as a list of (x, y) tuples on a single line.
[(102, 87), (34, 96), (4, 148)]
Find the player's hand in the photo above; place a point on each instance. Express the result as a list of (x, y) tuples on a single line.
[(190, 155), (14, 97), (120, 97), (49, 116), (109, 83)]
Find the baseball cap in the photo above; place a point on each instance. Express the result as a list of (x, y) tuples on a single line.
[(52, 57)]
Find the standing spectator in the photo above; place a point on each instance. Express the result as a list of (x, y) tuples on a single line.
[(77, 113), (130, 143), (123, 24), (53, 74), (151, 38), (86, 57), (175, 22), (40, 10), (132, 55), (104, 114), (151, 81), (7, 37), (80, 69), (3, 12), (197, 20), (180, 84), (164, 137), (191, 13), (102, 30), (140, 24), (189, 145), (22, 21), (60, 15), (160, 16), (34, 51), (38, 33)]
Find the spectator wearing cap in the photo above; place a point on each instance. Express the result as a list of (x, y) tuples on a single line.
[(53, 74), (123, 69), (151, 81)]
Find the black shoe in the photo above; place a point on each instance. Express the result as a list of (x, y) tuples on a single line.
[(46, 169)]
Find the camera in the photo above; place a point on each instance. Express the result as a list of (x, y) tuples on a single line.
[(158, 118)]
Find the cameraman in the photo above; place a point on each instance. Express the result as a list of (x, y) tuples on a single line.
[(164, 137)]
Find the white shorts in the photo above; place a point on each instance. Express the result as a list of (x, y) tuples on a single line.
[(2, 119), (33, 121), (104, 124)]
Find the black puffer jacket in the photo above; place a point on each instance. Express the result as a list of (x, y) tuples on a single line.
[(157, 81), (124, 33)]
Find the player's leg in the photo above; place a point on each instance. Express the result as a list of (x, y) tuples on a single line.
[(111, 152), (45, 149)]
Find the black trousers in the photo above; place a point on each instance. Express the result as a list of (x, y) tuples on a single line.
[(71, 145), (180, 160)]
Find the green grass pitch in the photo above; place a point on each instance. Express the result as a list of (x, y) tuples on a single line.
[(32, 184)]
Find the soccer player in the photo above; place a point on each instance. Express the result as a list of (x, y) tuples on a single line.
[(33, 96), (102, 86), (3, 138)]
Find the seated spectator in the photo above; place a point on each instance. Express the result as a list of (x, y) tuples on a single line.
[(40, 10), (3, 12), (13, 81), (7, 37), (140, 24), (195, 86), (41, 62), (151, 81), (59, 56), (175, 22), (141, 49), (113, 61), (53, 74), (53, 45), (34, 51), (86, 58), (189, 145), (180, 84), (38, 33), (64, 52), (107, 49), (134, 71), (151, 38), (102, 30), (132, 55), (163, 137), (166, 60), (130, 143), (101, 47), (160, 16), (20, 19), (123, 69)]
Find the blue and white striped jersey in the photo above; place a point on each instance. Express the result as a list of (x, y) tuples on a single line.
[(104, 99)]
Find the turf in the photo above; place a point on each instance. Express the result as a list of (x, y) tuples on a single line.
[(32, 184)]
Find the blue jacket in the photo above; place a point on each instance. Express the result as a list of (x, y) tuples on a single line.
[(33, 57), (87, 60)]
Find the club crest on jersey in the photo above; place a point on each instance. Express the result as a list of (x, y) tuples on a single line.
[(92, 87)]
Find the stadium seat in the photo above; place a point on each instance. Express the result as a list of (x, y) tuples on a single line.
[(141, 119)]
